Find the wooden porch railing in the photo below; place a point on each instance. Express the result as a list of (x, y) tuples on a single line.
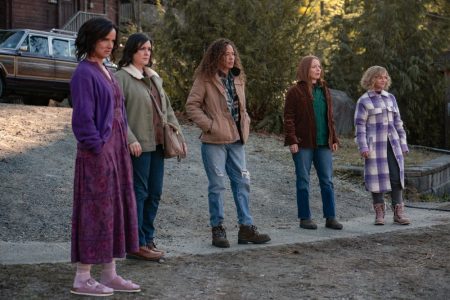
[(78, 19)]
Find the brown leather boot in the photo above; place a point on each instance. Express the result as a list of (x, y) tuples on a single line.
[(307, 224), (333, 224), (249, 234), (219, 237), (399, 217), (145, 253), (379, 213), (152, 246)]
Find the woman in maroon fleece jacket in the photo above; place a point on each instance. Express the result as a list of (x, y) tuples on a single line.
[(311, 137)]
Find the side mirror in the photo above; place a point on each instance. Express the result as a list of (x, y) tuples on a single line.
[(24, 48)]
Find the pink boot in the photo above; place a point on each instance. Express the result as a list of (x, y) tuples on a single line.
[(399, 217), (379, 213)]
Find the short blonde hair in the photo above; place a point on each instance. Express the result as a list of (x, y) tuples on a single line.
[(369, 76)]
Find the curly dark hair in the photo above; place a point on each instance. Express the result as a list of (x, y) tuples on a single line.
[(209, 65), (90, 32), (134, 42)]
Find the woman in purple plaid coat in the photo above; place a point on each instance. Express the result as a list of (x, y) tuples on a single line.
[(382, 143)]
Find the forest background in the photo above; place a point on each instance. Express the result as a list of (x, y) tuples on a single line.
[(408, 37)]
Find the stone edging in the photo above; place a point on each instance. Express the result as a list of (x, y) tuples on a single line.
[(432, 177)]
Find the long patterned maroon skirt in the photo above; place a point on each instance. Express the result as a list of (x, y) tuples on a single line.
[(104, 222)]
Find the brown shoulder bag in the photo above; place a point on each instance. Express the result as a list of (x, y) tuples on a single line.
[(173, 141)]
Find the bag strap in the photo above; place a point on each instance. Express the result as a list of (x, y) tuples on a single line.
[(158, 109)]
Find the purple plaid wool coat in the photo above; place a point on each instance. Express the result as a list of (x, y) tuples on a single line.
[(377, 121)]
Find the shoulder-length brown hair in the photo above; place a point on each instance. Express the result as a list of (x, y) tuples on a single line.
[(92, 31), (134, 42), (209, 66), (303, 70)]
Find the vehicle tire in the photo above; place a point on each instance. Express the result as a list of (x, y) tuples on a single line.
[(38, 101), (2, 87)]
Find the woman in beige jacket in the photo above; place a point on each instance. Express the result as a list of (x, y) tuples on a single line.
[(216, 104)]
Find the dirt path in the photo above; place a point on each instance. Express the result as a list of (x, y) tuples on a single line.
[(412, 264)]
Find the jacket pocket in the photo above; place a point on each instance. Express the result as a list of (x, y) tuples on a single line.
[(219, 132), (375, 116), (374, 111), (370, 144), (391, 111), (245, 127), (212, 129)]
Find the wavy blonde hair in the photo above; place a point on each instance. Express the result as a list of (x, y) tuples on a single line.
[(369, 76)]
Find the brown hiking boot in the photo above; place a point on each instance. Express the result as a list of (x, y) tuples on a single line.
[(379, 213), (307, 224), (145, 253), (249, 234), (333, 224), (219, 237), (399, 217)]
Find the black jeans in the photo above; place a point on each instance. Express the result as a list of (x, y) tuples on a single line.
[(394, 177)]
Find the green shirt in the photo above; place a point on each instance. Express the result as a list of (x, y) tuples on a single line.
[(320, 113)]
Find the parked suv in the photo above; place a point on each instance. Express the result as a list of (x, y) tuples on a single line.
[(37, 64)]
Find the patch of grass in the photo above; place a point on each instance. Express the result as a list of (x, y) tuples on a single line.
[(348, 155), (413, 195)]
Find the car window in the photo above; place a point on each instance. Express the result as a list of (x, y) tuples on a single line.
[(61, 48), (72, 48), (38, 45), (10, 39)]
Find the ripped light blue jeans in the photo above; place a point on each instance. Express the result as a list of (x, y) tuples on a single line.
[(221, 160)]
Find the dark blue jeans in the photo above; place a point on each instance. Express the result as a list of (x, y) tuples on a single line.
[(148, 174), (322, 159)]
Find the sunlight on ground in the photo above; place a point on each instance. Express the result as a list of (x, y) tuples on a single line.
[(26, 127)]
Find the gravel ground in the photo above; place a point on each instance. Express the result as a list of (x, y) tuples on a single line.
[(37, 150), (37, 153)]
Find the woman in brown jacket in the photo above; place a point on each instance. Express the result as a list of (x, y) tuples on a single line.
[(216, 104), (311, 137)]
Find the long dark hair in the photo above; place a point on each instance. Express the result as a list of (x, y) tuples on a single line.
[(209, 65), (134, 42), (92, 31)]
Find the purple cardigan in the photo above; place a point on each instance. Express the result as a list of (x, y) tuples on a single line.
[(93, 106)]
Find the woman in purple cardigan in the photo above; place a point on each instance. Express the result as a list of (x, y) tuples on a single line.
[(382, 142), (104, 222)]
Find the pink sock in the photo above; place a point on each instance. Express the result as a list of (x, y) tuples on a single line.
[(82, 275), (108, 272)]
